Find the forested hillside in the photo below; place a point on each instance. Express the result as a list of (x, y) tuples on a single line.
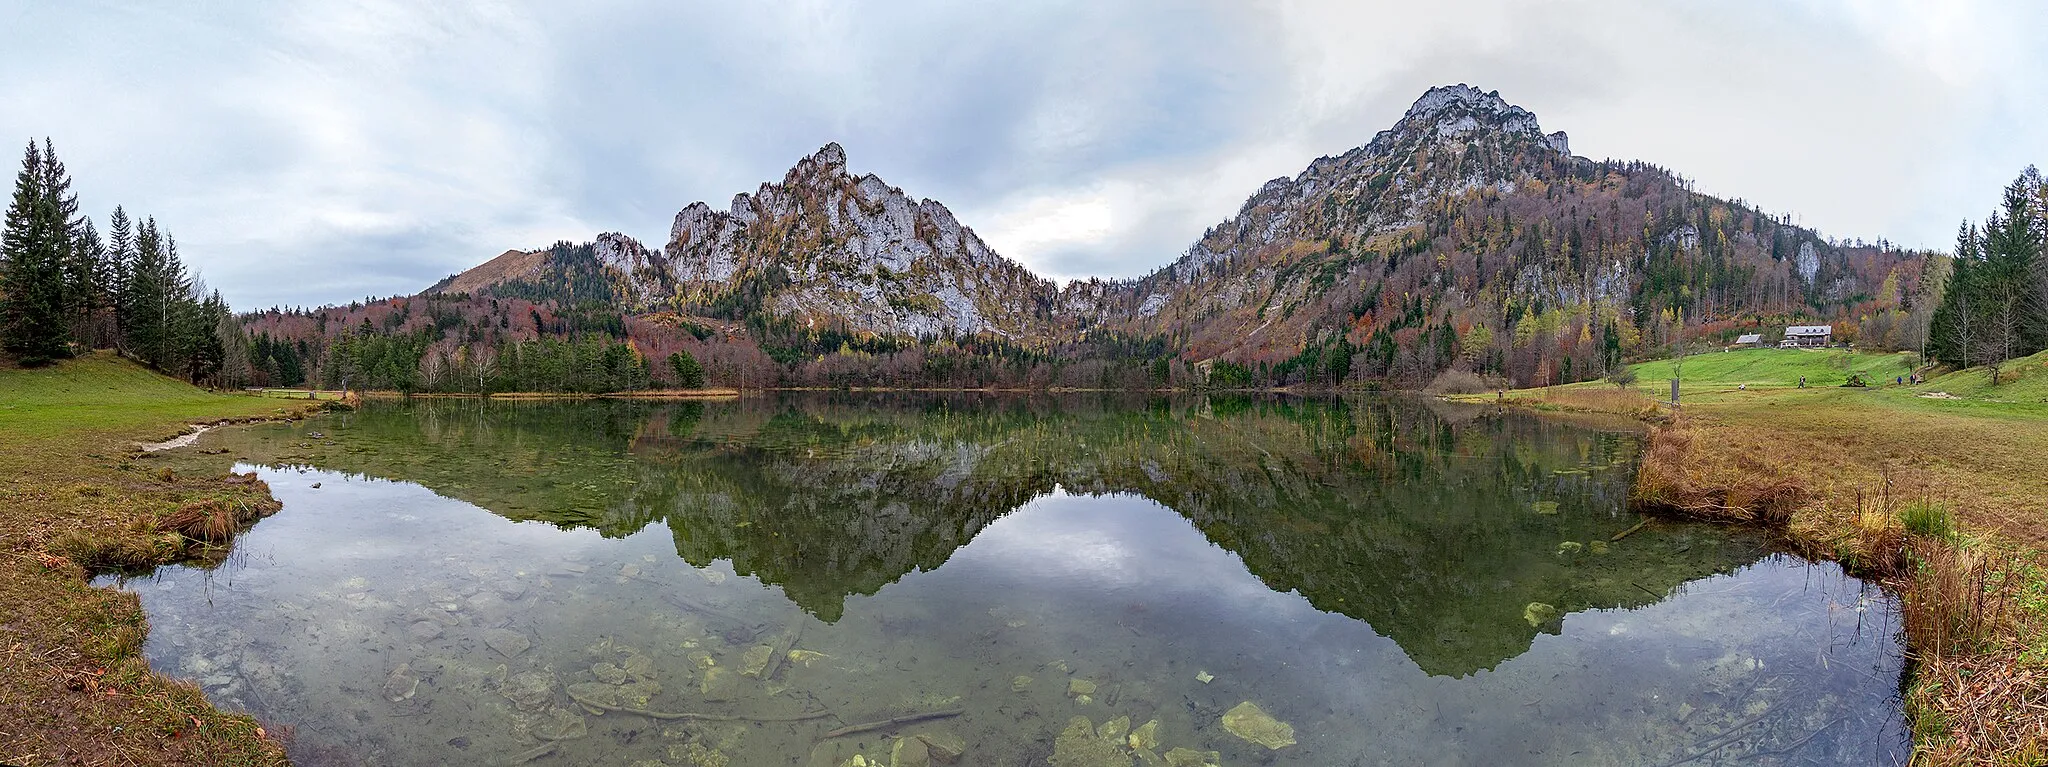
[(65, 288)]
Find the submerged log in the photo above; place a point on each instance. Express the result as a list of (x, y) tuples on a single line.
[(894, 721)]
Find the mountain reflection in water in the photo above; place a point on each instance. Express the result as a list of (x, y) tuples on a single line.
[(1460, 533)]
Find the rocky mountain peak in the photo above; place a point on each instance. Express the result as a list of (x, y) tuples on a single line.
[(1461, 112)]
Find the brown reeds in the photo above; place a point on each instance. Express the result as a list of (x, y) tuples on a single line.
[(1950, 607), (1670, 482)]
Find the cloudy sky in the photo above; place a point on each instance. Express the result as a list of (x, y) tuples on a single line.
[(307, 153)]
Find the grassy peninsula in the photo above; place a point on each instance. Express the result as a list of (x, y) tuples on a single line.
[(74, 687)]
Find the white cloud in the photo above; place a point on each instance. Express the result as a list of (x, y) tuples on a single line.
[(312, 153)]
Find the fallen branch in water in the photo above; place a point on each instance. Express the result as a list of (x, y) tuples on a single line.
[(894, 721), (1630, 531), (698, 717)]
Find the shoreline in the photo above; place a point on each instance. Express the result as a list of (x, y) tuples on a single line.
[(1968, 576), (85, 498)]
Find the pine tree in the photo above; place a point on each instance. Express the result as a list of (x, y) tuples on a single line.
[(32, 255), (688, 374)]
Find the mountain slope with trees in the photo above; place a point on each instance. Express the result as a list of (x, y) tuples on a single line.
[(1463, 240)]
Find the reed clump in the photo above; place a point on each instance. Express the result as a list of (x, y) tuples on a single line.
[(1675, 480), (1951, 605)]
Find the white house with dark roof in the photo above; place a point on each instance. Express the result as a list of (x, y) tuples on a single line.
[(1807, 336)]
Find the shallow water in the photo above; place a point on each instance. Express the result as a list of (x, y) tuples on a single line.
[(452, 582)]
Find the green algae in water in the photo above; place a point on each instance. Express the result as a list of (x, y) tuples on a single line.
[(1336, 561)]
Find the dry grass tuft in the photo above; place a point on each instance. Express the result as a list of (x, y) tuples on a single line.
[(1950, 607), (1673, 480)]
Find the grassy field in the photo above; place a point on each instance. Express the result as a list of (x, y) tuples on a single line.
[(1773, 368), (74, 689), (2021, 381), (1937, 489)]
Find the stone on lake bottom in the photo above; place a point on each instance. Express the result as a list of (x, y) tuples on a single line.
[(507, 642), (719, 684), (1252, 723), (1080, 746), (944, 747), (756, 660), (909, 752)]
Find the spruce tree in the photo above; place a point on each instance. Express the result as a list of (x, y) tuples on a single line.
[(688, 374), (32, 254), (87, 278), (120, 263), (142, 327), (176, 309)]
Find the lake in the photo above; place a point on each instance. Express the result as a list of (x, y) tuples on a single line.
[(1068, 580)]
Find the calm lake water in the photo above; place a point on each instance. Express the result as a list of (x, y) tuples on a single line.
[(1072, 581)]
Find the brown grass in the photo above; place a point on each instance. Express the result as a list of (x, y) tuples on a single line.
[(1675, 480), (1582, 399), (1949, 605)]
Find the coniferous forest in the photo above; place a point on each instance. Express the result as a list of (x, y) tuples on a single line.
[(65, 287), (1994, 307)]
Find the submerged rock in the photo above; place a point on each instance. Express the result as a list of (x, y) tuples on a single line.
[(755, 660), (423, 631), (1188, 757), (401, 684), (608, 673), (637, 664), (909, 752), (507, 642), (1540, 615), (1252, 723), (1081, 746), (719, 684), (529, 690), (553, 724), (1020, 683), (1146, 737), (944, 747), (1079, 687), (1544, 507)]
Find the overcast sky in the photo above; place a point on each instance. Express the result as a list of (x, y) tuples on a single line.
[(308, 153)]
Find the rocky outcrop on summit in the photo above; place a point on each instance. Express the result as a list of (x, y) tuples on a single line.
[(1455, 139), (829, 249)]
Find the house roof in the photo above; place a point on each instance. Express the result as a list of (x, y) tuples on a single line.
[(1810, 330), (1750, 338)]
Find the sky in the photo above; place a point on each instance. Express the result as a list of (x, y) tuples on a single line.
[(314, 153)]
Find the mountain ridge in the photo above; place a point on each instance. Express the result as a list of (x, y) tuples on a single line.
[(1461, 238)]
